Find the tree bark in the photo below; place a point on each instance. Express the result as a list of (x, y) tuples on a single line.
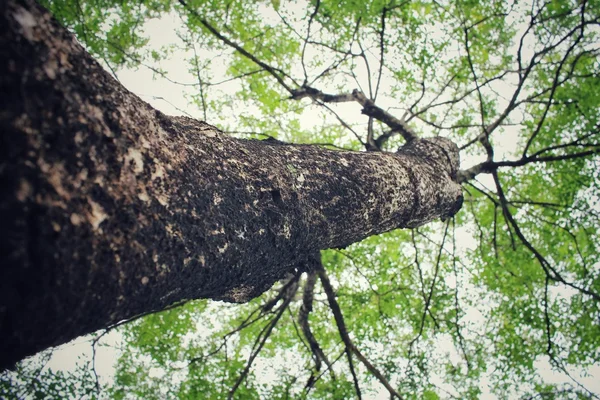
[(109, 208)]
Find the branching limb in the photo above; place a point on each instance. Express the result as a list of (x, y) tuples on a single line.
[(275, 72), (307, 388), (369, 108), (550, 271), (310, 21), (488, 167), (341, 325), (305, 310), (458, 308), (261, 339), (429, 295)]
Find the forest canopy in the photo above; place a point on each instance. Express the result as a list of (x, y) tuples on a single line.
[(501, 300)]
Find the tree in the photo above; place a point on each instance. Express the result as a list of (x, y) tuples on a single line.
[(167, 209), (533, 275)]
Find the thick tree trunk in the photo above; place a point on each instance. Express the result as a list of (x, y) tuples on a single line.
[(109, 209)]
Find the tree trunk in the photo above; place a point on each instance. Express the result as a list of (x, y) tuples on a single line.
[(109, 208)]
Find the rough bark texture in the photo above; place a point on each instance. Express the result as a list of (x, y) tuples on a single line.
[(109, 208)]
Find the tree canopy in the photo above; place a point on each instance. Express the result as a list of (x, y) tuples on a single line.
[(502, 299)]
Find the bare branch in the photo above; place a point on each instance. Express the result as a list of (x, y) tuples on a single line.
[(303, 313), (343, 330), (369, 108), (555, 84), (488, 167), (275, 72), (262, 337), (550, 271)]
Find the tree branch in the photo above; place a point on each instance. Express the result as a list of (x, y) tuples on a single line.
[(369, 108), (276, 73), (488, 167), (343, 330), (304, 312)]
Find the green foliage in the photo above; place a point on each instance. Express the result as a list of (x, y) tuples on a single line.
[(110, 30), (32, 380)]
